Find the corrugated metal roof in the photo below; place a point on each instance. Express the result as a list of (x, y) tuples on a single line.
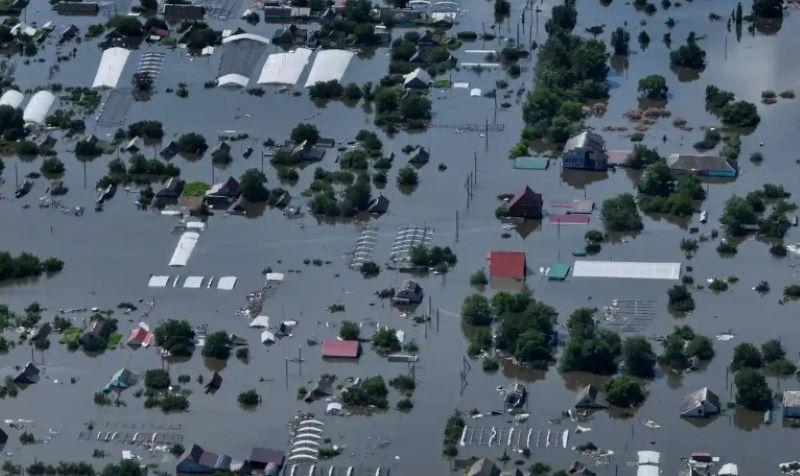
[(507, 264), (341, 348), (627, 269)]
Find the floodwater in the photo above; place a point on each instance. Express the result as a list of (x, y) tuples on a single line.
[(110, 255)]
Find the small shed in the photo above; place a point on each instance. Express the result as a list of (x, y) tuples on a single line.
[(420, 157), (341, 349), (172, 189), (29, 375), (588, 398), (791, 404), (410, 292), (417, 79), (526, 204), (378, 205)]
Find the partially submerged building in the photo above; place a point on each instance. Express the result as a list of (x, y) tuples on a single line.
[(175, 12), (12, 98), (38, 107), (265, 461), (483, 467), (791, 404), (122, 379), (586, 151), (701, 403), (378, 205), (710, 165), (507, 264), (77, 8), (290, 35), (172, 189), (410, 292), (419, 157), (112, 62), (29, 375), (588, 398), (417, 79), (196, 460), (96, 335), (222, 192), (341, 349), (526, 204)]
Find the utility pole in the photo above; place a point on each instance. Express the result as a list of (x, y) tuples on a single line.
[(475, 168), (456, 225)]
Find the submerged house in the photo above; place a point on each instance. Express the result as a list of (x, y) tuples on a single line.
[(29, 375), (700, 403), (791, 404), (196, 460), (526, 204), (265, 461), (222, 192), (290, 35), (341, 349), (42, 333), (587, 398), (378, 205), (121, 380), (710, 165), (307, 152), (172, 189), (420, 157), (96, 336), (483, 467), (417, 79), (410, 292), (507, 264), (586, 151)]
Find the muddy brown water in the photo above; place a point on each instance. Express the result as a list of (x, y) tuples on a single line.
[(109, 256)]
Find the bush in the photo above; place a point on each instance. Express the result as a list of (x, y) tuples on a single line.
[(176, 337), (478, 279), (407, 177), (52, 167), (52, 265), (404, 384), (249, 398), (653, 87), (490, 364), (370, 269), (475, 310), (217, 346), (405, 405), (371, 391)]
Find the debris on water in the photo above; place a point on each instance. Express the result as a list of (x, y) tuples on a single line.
[(651, 424)]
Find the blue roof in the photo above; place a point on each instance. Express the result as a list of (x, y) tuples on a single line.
[(558, 271), (531, 163)]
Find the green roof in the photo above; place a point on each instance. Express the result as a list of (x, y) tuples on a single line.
[(558, 271), (531, 163)]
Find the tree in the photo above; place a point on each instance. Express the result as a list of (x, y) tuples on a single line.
[(371, 391), (641, 156), (737, 215), (620, 38), (176, 337), (192, 143), (157, 379), (149, 5), (415, 107), (689, 55), (386, 100), (657, 180), (620, 214), (349, 330), (123, 468), (624, 392), (680, 299), (84, 148), (385, 340), (126, 25), (740, 114), (148, 129), (478, 279), (305, 132), (251, 184), (249, 398), (638, 357), (218, 346), (752, 391), (502, 8), (768, 8), (746, 355), (407, 177), (475, 310), (10, 119), (51, 166), (644, 40), (772, 350), (533, 346), (654, 87), (700, 347)]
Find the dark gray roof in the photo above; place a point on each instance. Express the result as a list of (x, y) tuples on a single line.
[(698, 397), (700, 163), (77, 8), (184, 12)]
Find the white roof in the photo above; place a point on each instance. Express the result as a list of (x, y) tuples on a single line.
[(193, 282), (284, 68), (626, 269), (184, 249), (226, 283), (329, 65), (245, 36), (195, 225), (111, 65), (208, 50), (418, 73), (260, 321), (38, 107), (158, 281), (649, 457), (334, 408), (277, 277), (647, 470), (729, 469), (267, 337), (233, 79), (12, 98)]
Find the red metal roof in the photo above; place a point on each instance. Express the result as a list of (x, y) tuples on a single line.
[(569, 219), (509, 264), (138, 337), (341, 348)]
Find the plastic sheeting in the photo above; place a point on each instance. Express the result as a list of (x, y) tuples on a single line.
[(329, 65), (626, 269), (184, 249), (12, 98), (284, 68), (110, 70), (38, 107)]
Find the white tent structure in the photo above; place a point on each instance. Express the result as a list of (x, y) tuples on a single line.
[(260, 322), (226, 283), (12, 98), (245, 36), (626, 269), (232, 80), (38, 107), (329, 65), (110, 70), (284, 68), (268, 337), (184, 249)]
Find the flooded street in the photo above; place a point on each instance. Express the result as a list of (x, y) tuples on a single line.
[(110, 255)]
